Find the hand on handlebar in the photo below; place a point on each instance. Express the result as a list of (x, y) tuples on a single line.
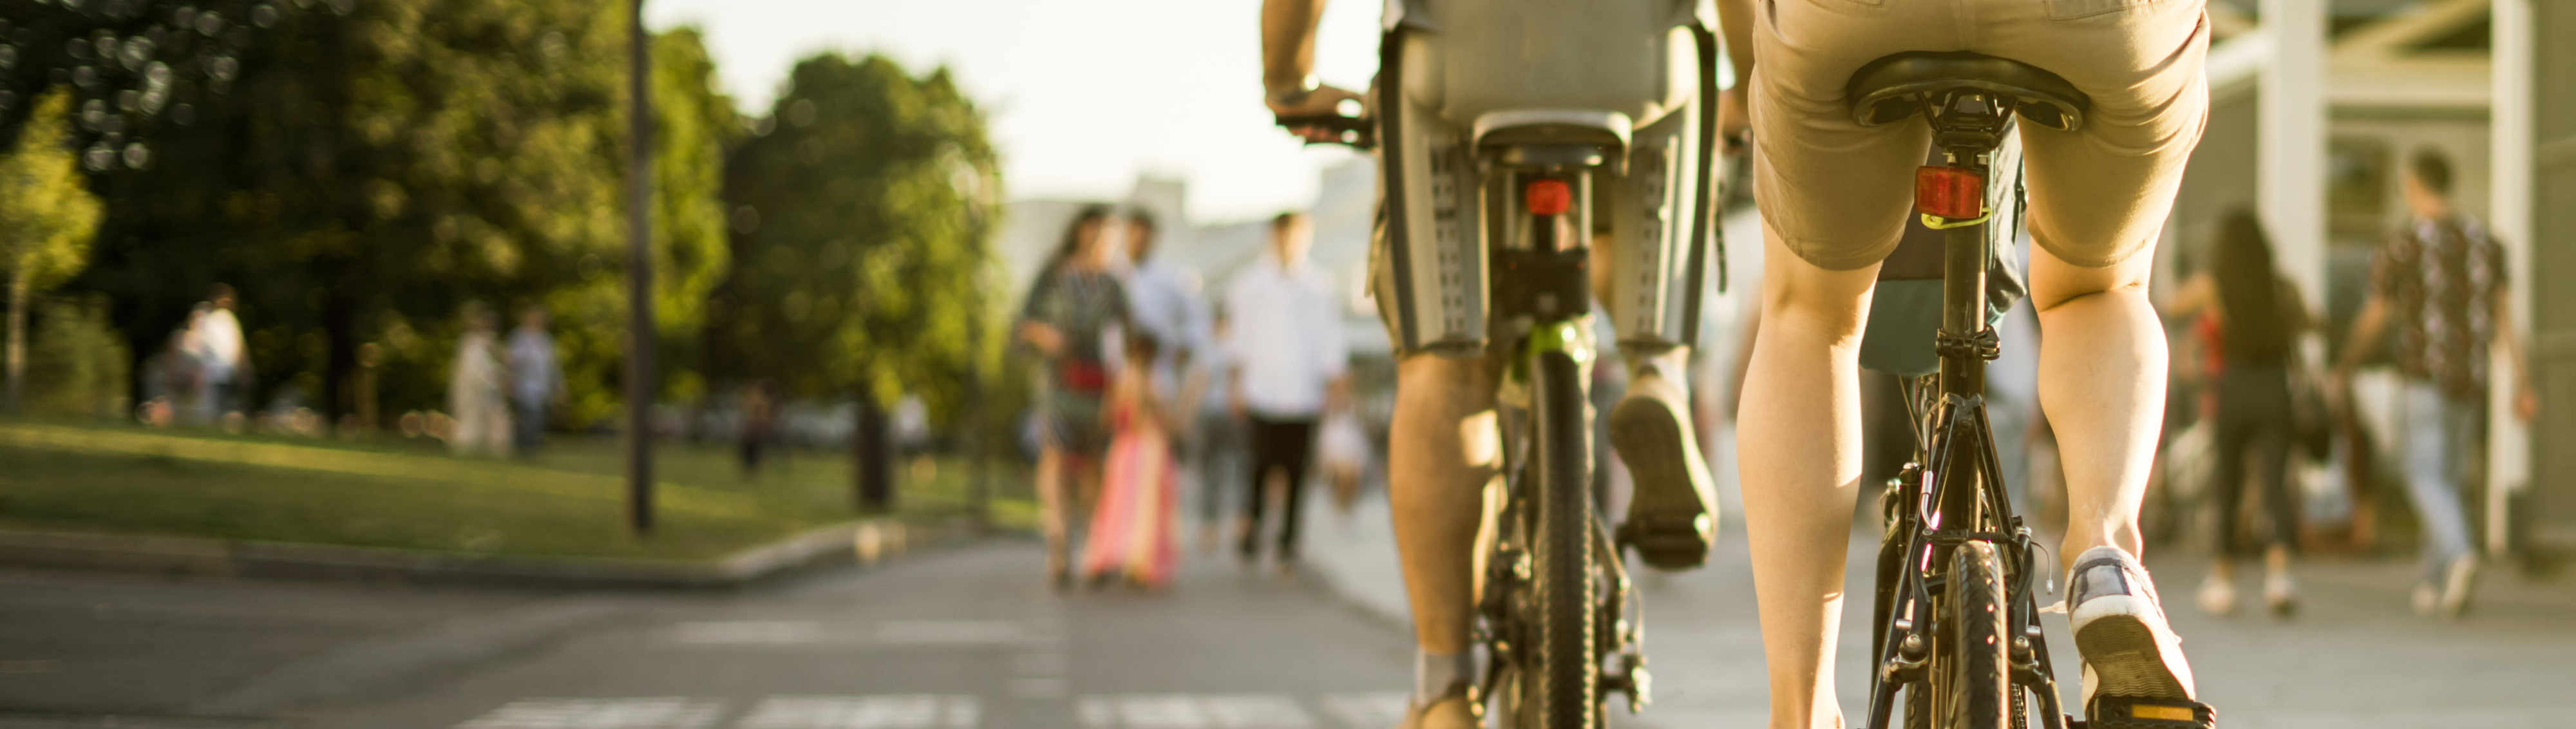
[(1322, 102)]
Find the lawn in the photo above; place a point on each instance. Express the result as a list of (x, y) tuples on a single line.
[(568, 500)]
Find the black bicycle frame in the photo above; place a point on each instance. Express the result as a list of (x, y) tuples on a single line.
[(1956, 495)]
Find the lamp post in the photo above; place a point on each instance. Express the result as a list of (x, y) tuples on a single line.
[(639, 278)]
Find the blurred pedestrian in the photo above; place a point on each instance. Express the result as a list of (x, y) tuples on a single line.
[(2441, 280), (1071, 308), (477, 389), (536, 380), (759, 424), (2259, 316), (1132, 527), (170, 379), (1216, 442), (1159, 296), (219, 338), (1289, 361)]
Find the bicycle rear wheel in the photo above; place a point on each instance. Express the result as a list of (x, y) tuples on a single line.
[(1974, 692), (1562, 685)]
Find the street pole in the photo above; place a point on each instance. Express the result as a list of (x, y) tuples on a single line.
[(639, 278)]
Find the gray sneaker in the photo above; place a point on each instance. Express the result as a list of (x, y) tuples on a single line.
[(2129, 650), (1672, 520)]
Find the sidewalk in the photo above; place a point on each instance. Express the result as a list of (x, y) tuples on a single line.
[(2354, 656)]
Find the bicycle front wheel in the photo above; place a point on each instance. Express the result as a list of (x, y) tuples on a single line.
[(1564, 686), (1973, 696)]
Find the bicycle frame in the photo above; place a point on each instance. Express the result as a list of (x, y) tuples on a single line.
[(1953, 493)]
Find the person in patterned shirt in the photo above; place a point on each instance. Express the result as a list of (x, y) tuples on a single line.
[(2441, 280)]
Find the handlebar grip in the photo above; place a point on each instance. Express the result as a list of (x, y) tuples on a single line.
[(1356, 132)]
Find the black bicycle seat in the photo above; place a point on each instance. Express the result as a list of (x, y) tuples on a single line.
[(1893, 88)]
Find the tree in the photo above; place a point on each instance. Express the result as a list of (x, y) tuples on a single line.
[(861, 220), (372, 170), (47, 218)]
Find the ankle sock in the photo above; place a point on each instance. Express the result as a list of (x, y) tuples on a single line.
[(1434, 674)]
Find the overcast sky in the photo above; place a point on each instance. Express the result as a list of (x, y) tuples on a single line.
[(1084, 94)]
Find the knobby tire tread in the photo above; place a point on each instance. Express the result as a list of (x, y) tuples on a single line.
[(1568, 674)]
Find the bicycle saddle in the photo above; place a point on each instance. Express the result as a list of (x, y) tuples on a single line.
[(1894, 88)]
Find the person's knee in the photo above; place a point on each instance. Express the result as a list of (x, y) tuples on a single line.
[(2055, 283)]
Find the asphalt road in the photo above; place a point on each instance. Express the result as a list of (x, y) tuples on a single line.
[(946, 640)]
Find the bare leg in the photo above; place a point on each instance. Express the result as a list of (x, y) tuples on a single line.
[(2102, 384), (1052, 508), (1444, 451), (1799, 455)]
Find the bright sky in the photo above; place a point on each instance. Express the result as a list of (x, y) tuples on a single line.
[(1084, 94)]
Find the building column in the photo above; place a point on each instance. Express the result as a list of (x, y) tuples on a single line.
[(2511, 151), (2291, 136)]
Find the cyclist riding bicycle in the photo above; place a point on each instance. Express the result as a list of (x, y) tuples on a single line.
[(1638, 60), (1833, 198)]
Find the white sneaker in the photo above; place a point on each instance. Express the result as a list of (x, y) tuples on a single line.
[(2128, 648), (2456, 585), (2217, 597), (2280, 594)]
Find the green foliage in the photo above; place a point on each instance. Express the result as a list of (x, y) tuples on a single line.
[(861, 225), (47, 214), (373, 171), (77, 365)]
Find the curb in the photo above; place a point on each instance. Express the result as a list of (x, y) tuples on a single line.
[(864, 541)]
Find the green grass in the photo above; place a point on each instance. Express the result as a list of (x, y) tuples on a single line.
[(569, 500)]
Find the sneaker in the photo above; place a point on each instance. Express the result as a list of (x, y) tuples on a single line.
[(2129, 650), (2217, 596), (1450, 711), (2280, 594), (2456, 585), (1673, 518)]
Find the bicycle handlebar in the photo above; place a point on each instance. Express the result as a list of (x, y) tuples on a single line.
[(1356, 132)]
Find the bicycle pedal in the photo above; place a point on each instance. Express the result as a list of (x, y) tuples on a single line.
[(1668, 544), (2120, 712)]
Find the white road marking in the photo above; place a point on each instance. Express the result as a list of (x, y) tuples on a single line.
[(894, 633), (659, 712), (916, 711), (1367, 710), (1188, 711)]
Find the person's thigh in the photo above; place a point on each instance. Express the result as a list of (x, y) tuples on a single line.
[(2100, 194), (1835, 193)]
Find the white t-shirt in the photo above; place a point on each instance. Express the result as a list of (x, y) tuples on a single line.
[(1285, 337), (220, 336)]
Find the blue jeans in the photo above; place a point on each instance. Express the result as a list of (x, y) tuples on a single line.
[(2441, 434)]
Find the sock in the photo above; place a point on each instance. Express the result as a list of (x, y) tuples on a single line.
[(1434, 674)]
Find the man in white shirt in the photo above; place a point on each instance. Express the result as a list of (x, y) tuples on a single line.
[(219, 336), (1289, 359)]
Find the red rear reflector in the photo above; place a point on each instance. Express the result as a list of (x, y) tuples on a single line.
[(1547, 197), (1949, 192)]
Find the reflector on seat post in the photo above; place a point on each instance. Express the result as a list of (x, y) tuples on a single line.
[(1547, 196), (1950, 192)]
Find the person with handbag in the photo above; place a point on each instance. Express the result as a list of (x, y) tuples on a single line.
[(2259, 317)]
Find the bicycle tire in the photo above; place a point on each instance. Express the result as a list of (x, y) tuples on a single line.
[(1975, 694), (1565, 684)]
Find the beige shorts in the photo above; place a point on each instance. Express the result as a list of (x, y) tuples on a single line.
[(1837, 194)]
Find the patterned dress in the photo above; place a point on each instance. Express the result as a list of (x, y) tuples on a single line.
[(1082, 305)]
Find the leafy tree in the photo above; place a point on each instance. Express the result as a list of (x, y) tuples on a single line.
[(861, 222), (47, 218), (372, 171)]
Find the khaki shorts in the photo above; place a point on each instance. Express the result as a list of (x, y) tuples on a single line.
[(1837, 194)]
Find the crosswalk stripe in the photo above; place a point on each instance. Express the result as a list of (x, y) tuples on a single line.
[(1366, 709), (917, 711), (660, 712)]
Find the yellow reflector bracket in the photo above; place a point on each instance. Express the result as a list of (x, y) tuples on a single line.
[(2169, 713)]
